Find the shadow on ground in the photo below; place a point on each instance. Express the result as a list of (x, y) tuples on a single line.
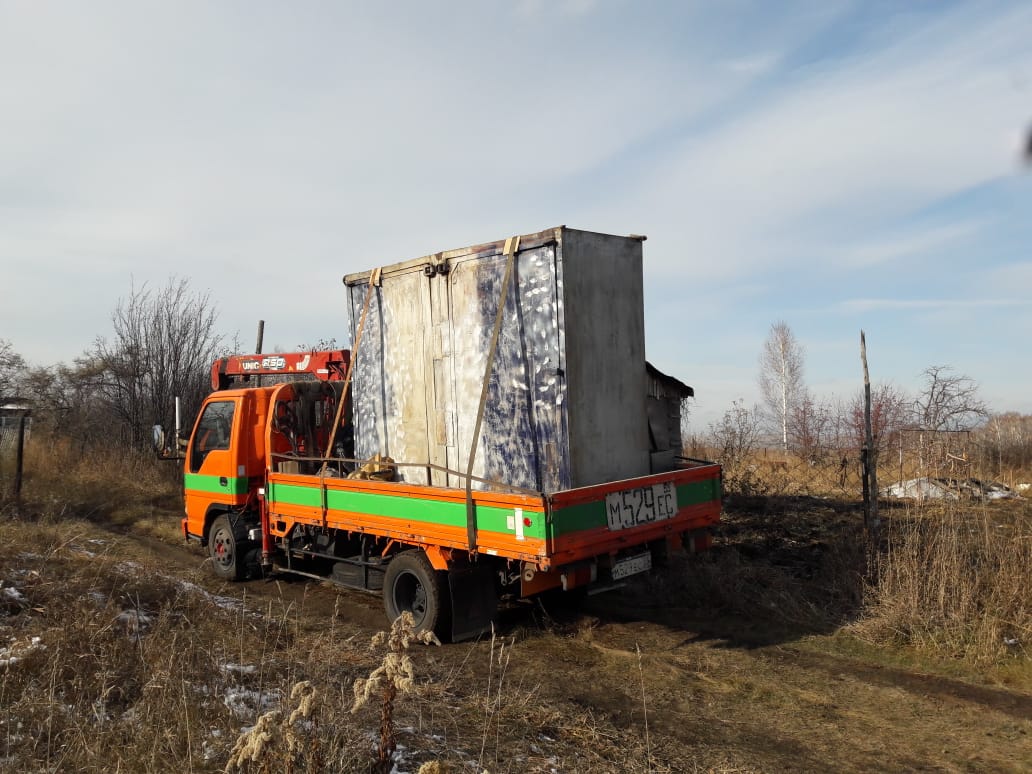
[(781, 568)]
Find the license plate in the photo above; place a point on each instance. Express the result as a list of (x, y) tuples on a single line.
[(644, 505), (631, 565)]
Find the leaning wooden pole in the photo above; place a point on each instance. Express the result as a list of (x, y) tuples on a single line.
[(258, 347), (872, 522)]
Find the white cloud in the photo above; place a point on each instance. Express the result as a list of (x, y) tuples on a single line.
[(910, 244), (929, 304), (264, 150), (537, 8), (863, 140), (755, 64), (1014, 276)]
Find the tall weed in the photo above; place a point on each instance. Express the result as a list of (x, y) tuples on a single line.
[(955, 578)]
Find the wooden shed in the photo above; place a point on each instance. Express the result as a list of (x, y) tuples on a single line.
[(665, 401)]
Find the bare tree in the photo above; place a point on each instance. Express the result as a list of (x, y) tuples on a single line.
[(811, 427), (163, 345), (735, 436), (948, 401), (889, 413), (68, 401), (1006, 442), (11, 366), (781, 377)]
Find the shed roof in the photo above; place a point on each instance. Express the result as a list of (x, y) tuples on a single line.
[(675, 386)]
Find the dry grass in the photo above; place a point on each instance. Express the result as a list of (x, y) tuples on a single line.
[(955, 580), (115, 665), (108, 664), (119, 489), (950, 578), (111, 663), (120, 666)]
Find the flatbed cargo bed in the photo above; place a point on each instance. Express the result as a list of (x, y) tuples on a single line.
[(546, 530)]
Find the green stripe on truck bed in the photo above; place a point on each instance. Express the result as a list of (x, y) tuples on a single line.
[(593, 515), (431, 511)]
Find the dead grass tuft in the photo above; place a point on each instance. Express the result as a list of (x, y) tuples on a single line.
[(112, 664), (119, 488), (395, 675), (955, 580)]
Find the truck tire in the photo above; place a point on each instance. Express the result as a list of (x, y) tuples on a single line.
[(233, 556), (411, 583)]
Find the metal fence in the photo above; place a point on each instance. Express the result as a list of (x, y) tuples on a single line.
[(9, 433), (15, 426), (951, 457)]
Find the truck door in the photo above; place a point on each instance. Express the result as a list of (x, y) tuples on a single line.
[(441, 435), (523, 434), (212, 473), (389, 381)]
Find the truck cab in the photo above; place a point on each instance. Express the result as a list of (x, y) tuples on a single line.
[(241, 434), (225, 460)]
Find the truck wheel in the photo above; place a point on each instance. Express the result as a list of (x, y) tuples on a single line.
[(412, 584), (231, 553)]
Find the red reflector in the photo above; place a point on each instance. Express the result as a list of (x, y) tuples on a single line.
[(526, 521)]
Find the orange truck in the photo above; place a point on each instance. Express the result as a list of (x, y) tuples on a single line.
[(280, 478)]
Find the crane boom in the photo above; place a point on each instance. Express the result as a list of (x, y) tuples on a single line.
[(327, 366)]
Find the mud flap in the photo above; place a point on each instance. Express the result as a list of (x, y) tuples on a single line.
[(474, 603)]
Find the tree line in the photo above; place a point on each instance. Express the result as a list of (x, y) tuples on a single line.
[(163, 341), (790, 417), (162, 345)]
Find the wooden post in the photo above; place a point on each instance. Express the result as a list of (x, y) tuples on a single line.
[(872, 523), (19, 458), (901, 434)]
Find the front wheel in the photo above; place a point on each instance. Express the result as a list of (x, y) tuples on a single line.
[(232, 554), (411, 584)]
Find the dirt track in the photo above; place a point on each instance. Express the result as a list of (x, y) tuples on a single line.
[(722, 694)]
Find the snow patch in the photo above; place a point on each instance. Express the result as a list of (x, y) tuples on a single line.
[(10, 596), (226, 603), (928, 488), (244, 702), (242, 669), (17, 651)]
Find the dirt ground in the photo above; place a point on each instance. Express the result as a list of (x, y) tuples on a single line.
[(719, 692), (652, 677)]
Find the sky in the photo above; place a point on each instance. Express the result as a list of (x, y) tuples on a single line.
[(838, 165)]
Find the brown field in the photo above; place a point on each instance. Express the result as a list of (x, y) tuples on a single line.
[(785, 648)]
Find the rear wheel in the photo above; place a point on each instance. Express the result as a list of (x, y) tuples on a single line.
[(233, 556), (412, 584)]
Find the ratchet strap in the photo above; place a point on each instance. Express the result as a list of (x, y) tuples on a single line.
[(512, 244)]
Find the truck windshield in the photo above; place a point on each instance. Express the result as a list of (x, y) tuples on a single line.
[(212, 432)]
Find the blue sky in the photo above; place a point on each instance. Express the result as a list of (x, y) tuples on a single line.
[(837, 165)]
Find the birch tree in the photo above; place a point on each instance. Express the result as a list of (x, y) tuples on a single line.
[(781, 377)]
